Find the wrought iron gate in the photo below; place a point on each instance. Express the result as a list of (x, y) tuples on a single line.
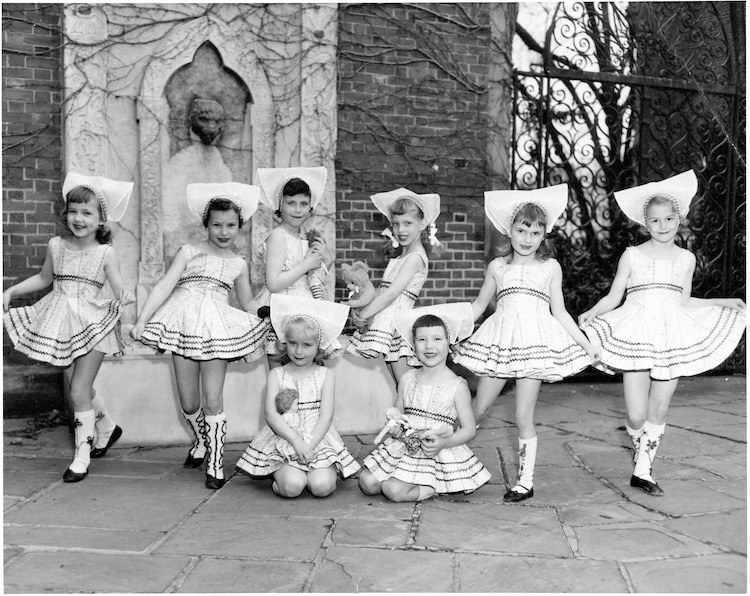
[(605, 131)]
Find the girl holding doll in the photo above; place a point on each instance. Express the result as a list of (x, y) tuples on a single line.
[(296, 264), (75, 325), (530, 337), (424, 456), (661, 332), (188, 314), (409, 215), (310, 454)]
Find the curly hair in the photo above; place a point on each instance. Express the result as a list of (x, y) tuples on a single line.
[(220, 204)]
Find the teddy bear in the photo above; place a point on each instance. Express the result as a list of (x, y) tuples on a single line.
[(361, 290)]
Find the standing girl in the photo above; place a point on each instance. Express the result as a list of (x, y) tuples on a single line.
[(310, 458), (75, 325), (294, 266), (432, 398), (195, 322), (661, 332), (530, 337), (409, 215)]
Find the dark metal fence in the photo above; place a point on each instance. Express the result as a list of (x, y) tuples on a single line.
[(604, 131)]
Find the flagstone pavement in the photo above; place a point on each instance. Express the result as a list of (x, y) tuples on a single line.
[(141, 522)]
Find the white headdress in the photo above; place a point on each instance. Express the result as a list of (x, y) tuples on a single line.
[(273, 180), (245, 196), (502, 206), (328, 318), (428, 203), (457, 317), (680, 188), (113, 195)]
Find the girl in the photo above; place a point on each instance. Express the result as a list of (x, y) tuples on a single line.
[(409, 214), (660, 333), (197, 324), (294, 266), (430, 396), (530, 337), (75, 325), (305, 328)]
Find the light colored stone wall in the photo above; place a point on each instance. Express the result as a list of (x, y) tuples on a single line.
[(116, 68)]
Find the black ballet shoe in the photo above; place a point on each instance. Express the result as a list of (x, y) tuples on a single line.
[(71, 476), (98, 452), (264, 312), (646, 486), (513, 496), (214, 483), (193, 462)]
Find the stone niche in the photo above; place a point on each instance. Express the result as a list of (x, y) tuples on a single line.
[(135, 76), (171, 94)]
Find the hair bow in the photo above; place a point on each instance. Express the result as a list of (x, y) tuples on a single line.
[(388, 234), (432, 234)]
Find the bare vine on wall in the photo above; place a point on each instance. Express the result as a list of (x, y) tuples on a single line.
[(427, 112)]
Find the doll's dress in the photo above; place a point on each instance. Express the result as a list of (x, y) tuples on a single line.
[(381, 337), (296, 248), (74, 318), (453, 469), (263, 457), (522, 338), (196, 320), (284, 447), (653, 331)]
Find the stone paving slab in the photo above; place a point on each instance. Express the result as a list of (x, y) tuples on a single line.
[(355, 570), (492, 528), (362, 532), (68, 572), (101, 502), (635, 541), (729, 465), (480, 573), (242, 576), (701, 575), (223, 535), (81, 538), (727, 529)]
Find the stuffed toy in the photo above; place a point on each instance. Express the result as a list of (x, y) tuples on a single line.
[(361, 290), (411, 437)]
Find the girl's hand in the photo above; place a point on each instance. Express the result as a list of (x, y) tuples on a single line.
[(586, 318), (358, 321), (595, 353), (7, 296), (432, 444), (304, 451), (313, 259), (733, 303), (126, 297), (136, 331), (321, 247)]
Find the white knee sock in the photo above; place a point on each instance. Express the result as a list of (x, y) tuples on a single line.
[(84, 438), (104, 424), (650, 440), (635, 438), (526, 461), (197, 423), (216, 431)]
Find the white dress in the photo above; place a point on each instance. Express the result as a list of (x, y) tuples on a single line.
[(264, 456), (453, 469), (74, 318), (196, 320), (381, 337), (653, 331), (522, 338)]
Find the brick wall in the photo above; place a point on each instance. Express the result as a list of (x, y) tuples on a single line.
[(32, 138), (412, 113)]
